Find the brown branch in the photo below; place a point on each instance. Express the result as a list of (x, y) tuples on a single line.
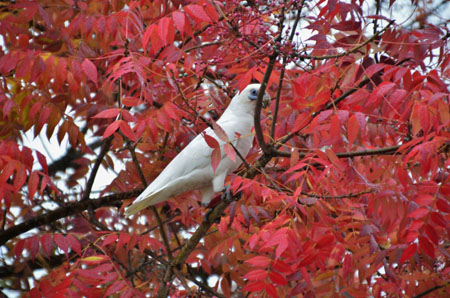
[(68, 210), (283, 69), (98, 162), (424, 293), (352, 50), (349, 195), (257, 117)]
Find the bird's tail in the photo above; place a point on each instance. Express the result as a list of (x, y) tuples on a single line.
[(142, 203)]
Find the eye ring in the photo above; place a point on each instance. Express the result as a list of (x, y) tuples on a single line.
[(253, 94)]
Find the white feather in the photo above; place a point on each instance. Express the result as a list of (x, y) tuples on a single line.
[(191, 169)]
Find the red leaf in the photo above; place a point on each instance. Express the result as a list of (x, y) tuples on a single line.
[(124, 238), (7, 171), (326, 240), (47, 244), (415, 120), (277, 278), (33, 246), (424, 117), (42, 161), (33, 184), (162, 118), (127, 131), (301, 121), (347, 265), (418, 213), (197, 12), (426, 246), (212, 142), (131, 101), (90, 70), (438, 219), (115, 288), (20, 178), (216, 157), (270, 289), (156, 42), (307, 260), (18, 248), (254, 286), (257, 274), (211, 11), (74, 243), (229, 151), (179, 20), (443, 205), (111, 238), (408, 252), (109, 113), (43, 116), (44, 183), (432, 234), (335, 129), (166, 30), (220, 133), (112, 128), (127, 116), (61, 243), (259, 261), (282, 267), (374, 68), (424, 200), (384, 88), (352, 129), (225, 286), (147, 35)]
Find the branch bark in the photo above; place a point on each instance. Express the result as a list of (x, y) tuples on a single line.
[(69, 210)]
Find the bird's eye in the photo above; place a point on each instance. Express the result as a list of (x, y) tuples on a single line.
[(253, 94)]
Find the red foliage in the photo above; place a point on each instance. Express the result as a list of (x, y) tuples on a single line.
[(350, 196)]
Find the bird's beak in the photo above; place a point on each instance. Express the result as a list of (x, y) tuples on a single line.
[(266, 100)]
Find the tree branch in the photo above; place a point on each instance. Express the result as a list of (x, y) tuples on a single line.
[(352, 50), (68, 210)]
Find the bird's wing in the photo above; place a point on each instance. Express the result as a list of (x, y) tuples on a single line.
[(187, 171)]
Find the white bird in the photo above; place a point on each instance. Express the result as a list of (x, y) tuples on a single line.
[(191, 169)]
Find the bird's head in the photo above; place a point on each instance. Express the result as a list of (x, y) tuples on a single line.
[(250, 94)]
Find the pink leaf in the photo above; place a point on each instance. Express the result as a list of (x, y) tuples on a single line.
[(215, 158), (229, 151), (219, 131), (179, 20), (259, 261)]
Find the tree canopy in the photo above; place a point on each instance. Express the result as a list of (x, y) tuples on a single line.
[(346, 191)]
